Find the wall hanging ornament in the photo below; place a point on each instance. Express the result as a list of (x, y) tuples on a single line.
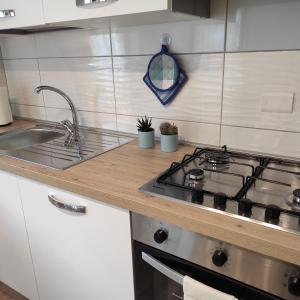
[(164, 77)]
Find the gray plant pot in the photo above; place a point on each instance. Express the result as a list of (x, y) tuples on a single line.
[(168, 143), (146, 139)]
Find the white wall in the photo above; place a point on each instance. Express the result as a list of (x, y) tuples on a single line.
[(243, 87)]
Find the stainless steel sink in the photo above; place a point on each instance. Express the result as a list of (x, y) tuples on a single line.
[(24, 138), (44, 144)]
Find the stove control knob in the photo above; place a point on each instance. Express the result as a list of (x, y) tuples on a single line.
[(160, 236), (294, 285), (220, 199), (245, 206), (197, 196), (219, 258), (272, 213)]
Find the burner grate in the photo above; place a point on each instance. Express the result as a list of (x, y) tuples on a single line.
[(203, 154), (258, 168)]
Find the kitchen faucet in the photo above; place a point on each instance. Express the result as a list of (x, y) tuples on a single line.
[(72, 128)]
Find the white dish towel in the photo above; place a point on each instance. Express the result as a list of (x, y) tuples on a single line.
[(195, 290)]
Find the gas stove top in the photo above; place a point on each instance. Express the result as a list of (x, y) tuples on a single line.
[(253, 186)]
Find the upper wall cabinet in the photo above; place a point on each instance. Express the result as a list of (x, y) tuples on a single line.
[(38, 14), (18, 13), (71, 10), (68, 10)]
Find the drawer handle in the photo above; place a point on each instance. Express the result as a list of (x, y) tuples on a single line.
[(7, 13), (69, 207), (98, 3)]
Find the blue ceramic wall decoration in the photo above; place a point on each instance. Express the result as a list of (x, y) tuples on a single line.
[(164, 77)]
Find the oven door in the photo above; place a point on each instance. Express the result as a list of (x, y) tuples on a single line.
[(155, 279)]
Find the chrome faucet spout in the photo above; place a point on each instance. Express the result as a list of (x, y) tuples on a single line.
[(74, 131)]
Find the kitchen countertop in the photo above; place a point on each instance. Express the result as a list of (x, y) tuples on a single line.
[(115, 176)]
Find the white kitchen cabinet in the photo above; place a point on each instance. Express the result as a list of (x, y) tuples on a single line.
[(26, 13), (16, 268), (77, 255), (67, 10)]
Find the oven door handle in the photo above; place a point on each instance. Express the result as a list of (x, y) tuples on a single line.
[(162, 268)]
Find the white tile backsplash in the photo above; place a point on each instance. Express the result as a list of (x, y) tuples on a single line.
[(199, 100), (74, 43), (90, 119), (22, 77), (88, 81), (31, 112), (247, 100), (20, 46), (204, 35), (263, 25), (266, 141), (249, 77), (195, 132)]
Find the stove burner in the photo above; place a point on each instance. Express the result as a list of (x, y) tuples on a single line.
[(217, 157), (196, 174), (296, 197)]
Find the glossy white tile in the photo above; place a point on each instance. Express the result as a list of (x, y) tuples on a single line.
[(203, 35), (74, 43), (26, 111), (266, 141), (98, 120), (90, 119), (263, 25), (250, 78), (199, 100), (22, 77), (194, 132), (88, 81), (20, 46)]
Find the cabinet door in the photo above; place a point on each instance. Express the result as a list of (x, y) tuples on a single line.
[(18, 13), (16, 268), (66, 10), (77, 255)]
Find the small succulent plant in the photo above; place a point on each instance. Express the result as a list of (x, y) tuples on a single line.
[(144, 124), (167, 128)]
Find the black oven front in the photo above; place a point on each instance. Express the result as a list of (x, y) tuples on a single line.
[(163, 251)]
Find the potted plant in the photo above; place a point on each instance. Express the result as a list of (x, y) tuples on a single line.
[(168, 137), (145, 132)]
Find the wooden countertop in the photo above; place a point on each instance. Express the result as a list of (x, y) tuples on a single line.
[(114, 177)]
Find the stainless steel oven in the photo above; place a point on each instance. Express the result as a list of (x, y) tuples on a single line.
[(164, 253)]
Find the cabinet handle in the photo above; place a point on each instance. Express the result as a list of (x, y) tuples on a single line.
[(69, 207), (7, 13), (96, 2)]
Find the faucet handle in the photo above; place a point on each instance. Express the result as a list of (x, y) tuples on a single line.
[(68, 125), (73, 135)]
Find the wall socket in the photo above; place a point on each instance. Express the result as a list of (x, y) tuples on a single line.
[(277, 102)]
